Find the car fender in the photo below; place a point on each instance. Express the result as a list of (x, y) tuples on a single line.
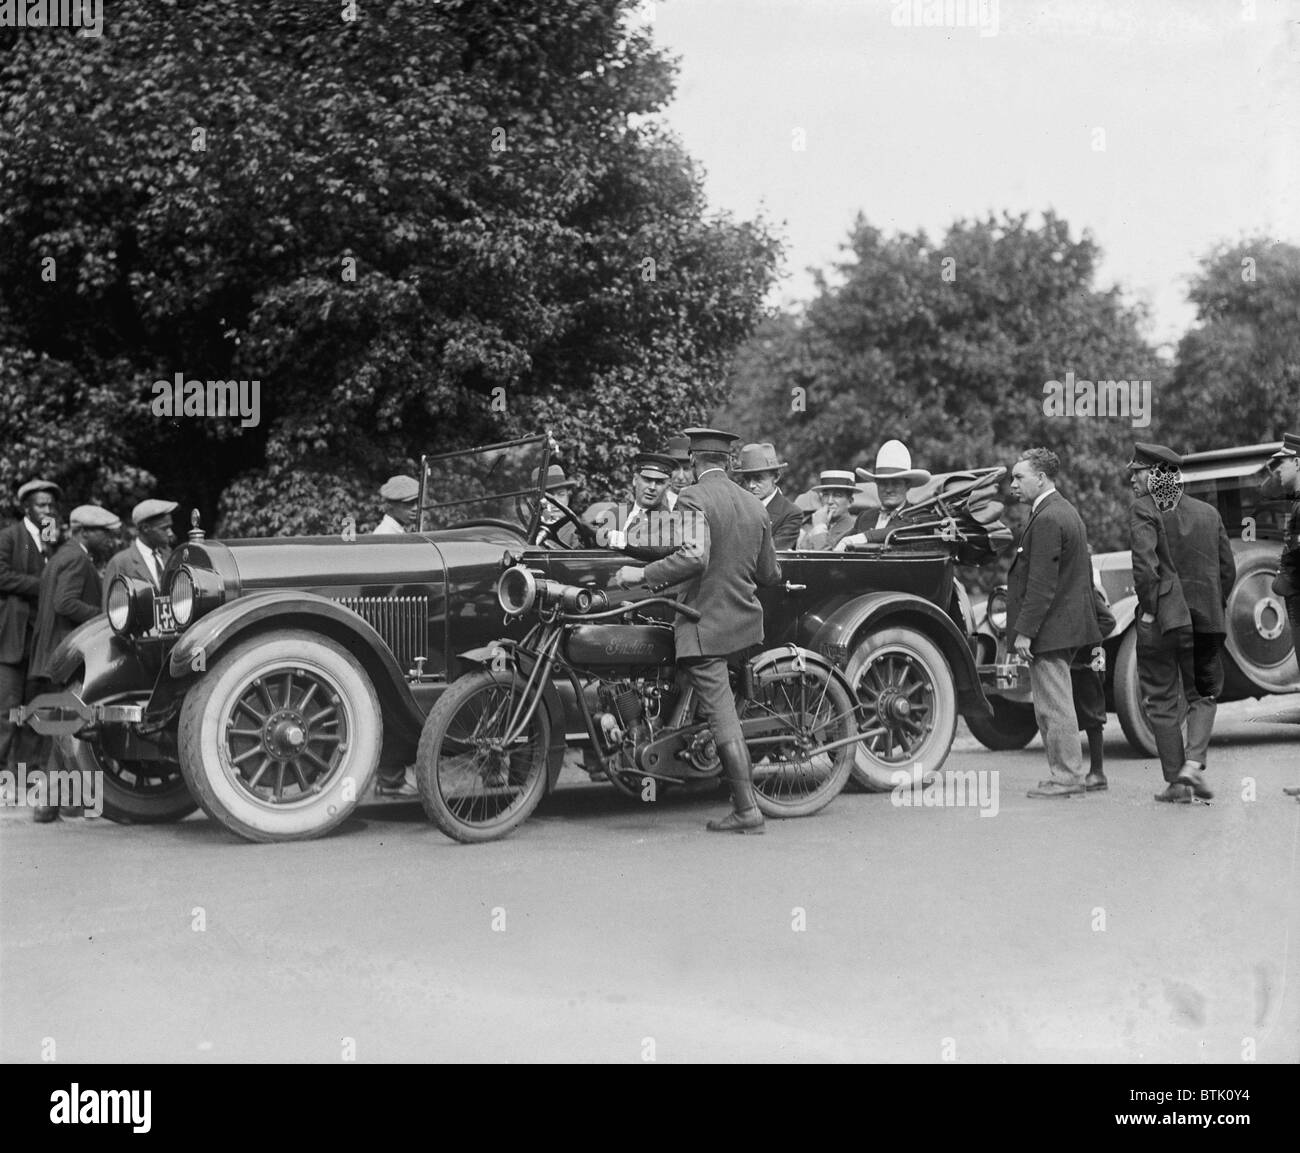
[(840, 632), (488, 657), (106, 665), (200, 644)]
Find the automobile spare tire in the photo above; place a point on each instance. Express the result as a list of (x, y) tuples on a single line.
[(280, 739), (133, 792), (907, 707), (1012, 726), (1259, 640)]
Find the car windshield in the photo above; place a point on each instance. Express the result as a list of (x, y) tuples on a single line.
[(497, 483)]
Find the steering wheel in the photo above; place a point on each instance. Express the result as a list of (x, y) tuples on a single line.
[(585, 532)]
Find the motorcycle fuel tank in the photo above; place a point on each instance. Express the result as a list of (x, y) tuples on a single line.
[(605, 645)]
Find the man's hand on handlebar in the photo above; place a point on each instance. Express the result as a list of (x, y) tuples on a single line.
[(628, 577)]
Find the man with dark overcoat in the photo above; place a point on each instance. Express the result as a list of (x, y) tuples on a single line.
[(25, 547), (725, 554), (759, 472), (71, 594), (1183, 571), (1050, 612), (1284, 466)]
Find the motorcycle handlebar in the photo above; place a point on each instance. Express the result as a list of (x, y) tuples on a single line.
[(628, 606)]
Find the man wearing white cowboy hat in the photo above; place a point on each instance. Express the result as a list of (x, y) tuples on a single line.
[(759, 471), (837, 488), (894, 475)]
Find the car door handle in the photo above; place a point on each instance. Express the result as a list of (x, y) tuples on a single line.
[(791, 587)]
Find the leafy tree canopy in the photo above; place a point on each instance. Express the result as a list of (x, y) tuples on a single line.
[(948, 347), (430, 226)]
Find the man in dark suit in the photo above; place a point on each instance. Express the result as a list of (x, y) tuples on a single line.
[(145, 557), (25, 546), (1183, 571), (71, 594), (1284, 467), (1050, 612), (725, 554), (645, 519), (759, 471)]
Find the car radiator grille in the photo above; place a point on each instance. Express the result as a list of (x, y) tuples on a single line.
[(403, 622)]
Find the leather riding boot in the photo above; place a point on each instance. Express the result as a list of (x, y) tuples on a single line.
[(745, 816), (1193, 774), (1172, 751)]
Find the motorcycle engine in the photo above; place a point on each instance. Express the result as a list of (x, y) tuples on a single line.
[(631, 711)]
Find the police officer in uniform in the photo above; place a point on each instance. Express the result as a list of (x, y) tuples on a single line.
[(1183, 571), (725, 554)]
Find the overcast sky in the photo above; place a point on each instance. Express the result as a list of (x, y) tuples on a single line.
[(918, 126)]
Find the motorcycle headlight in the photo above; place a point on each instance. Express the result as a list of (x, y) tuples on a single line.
[(516, 591), (130, 606), (996, 611), (194, 592)]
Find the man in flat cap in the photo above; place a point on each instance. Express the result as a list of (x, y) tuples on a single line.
[(1284, 466), (399, 494), (893, 476), (645, 519), (759, 471), (25, 547), (837, 488), (71, 594), (145, 557), (725, 555), (1051, 613), (1183, 571)]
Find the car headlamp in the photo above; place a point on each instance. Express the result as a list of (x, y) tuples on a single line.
[(130, 606), (996, 611), (193, 592)]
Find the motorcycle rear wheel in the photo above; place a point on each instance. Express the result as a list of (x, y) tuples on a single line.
[(814, 709), (471, 787)]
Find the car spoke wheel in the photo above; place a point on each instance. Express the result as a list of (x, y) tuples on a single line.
[(281, 738), (474, 786), (1128, 698), (907, 708), (802, 706)]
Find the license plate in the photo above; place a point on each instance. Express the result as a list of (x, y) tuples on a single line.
[(163, 621)]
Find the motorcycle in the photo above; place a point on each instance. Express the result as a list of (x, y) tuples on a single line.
[(489, 740)]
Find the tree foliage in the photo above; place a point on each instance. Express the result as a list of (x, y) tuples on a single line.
[(1237, 379), (948, 346), (428, 227)]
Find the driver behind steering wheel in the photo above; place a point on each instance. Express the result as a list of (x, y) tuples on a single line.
[(554, 531)]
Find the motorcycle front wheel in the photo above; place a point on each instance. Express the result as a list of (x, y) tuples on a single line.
[(804, 709), (472, 786)]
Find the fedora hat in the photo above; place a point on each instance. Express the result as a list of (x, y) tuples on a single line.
[(555, 478), (836, 480), (679, 449), (759, 458), (894, 462)]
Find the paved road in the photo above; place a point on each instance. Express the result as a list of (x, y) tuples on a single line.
[(1106, 928)]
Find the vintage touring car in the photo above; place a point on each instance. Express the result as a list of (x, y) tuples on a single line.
[(1258, 659), (271, 679)]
